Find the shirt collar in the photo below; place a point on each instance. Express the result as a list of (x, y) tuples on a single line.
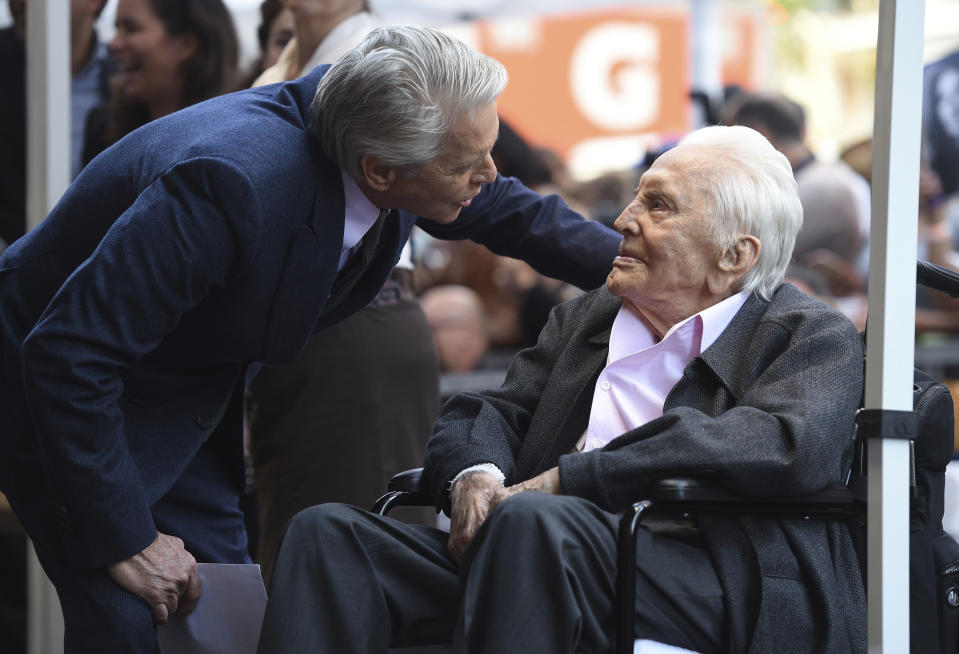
[(360, 213), (356, 201), (630, 334)]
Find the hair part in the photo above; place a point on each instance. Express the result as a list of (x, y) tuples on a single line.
[(397, 94), (754, 192)]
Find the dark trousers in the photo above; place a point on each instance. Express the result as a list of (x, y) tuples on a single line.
[(539, 576), (356, 407), (99, 615)]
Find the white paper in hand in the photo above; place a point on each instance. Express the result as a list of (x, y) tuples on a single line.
[(227, 619)]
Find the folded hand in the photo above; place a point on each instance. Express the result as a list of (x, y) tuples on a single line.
[(164, 575), (470, 501), (545, 482)]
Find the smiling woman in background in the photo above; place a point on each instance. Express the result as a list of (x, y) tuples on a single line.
[(169, 54)]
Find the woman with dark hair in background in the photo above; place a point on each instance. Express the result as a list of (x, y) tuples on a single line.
[(323, 30), (273, 33), (170, 54)]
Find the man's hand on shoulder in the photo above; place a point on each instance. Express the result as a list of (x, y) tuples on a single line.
[(164, 575), (471, 500)]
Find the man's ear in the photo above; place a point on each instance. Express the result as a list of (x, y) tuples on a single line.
[(741, 255), (378, 175), (734, 263)]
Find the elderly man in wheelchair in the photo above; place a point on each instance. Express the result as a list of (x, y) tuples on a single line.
[(694, 359)]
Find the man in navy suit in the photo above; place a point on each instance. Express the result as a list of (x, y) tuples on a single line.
[(220, 236)]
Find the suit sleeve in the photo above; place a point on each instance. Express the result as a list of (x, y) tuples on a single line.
[(789, 431), (187, 233), (489, 426), (514, 221)]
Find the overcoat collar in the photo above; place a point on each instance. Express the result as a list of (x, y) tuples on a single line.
[(722, 358)]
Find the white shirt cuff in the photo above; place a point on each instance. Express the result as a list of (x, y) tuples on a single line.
[(482, 467)]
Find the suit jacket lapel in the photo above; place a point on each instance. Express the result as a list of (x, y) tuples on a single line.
[(374, 261), (308, 268)]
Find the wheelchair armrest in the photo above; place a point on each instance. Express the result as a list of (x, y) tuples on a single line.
[(411, 481), (407, 488), (689, 495)]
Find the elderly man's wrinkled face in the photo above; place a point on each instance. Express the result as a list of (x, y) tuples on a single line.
[(446, 185), (668, 252)]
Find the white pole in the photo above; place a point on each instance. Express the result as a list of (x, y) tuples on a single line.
[(48, 174), (48, 106), (892, 301)]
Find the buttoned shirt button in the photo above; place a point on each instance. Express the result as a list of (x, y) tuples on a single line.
[(605, 385), (204, 422)]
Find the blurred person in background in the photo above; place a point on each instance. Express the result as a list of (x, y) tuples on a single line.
[(322, 31), (273, 33), (940, 120), (935, 312), (279, 21), (170, 54), (835, 199), (458, 323), (90, 68)]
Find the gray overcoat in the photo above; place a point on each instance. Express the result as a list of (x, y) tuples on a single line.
[(768, 408)]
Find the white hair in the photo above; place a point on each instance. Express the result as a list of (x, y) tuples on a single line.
[(396, 95), (755, 194)]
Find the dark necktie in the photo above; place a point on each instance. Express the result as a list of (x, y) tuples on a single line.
[(357, 264)]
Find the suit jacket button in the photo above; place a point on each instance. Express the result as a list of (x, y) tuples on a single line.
[(204, 422)]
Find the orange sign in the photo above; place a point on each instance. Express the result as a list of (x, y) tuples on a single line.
[(621, 72)]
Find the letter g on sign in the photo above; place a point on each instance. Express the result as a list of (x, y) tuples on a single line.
[(614, 77)]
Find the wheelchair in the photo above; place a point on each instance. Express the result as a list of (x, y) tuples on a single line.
[(934, 554)]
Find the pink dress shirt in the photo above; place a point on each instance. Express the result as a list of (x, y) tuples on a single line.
[(640, 372)]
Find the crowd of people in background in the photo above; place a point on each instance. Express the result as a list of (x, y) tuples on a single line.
[(166, 56), (450, 306)]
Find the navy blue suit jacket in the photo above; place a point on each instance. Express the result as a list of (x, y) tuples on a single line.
[(196, 245)]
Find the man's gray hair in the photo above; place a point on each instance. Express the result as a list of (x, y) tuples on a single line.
[(397, 93), (754, 194)]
